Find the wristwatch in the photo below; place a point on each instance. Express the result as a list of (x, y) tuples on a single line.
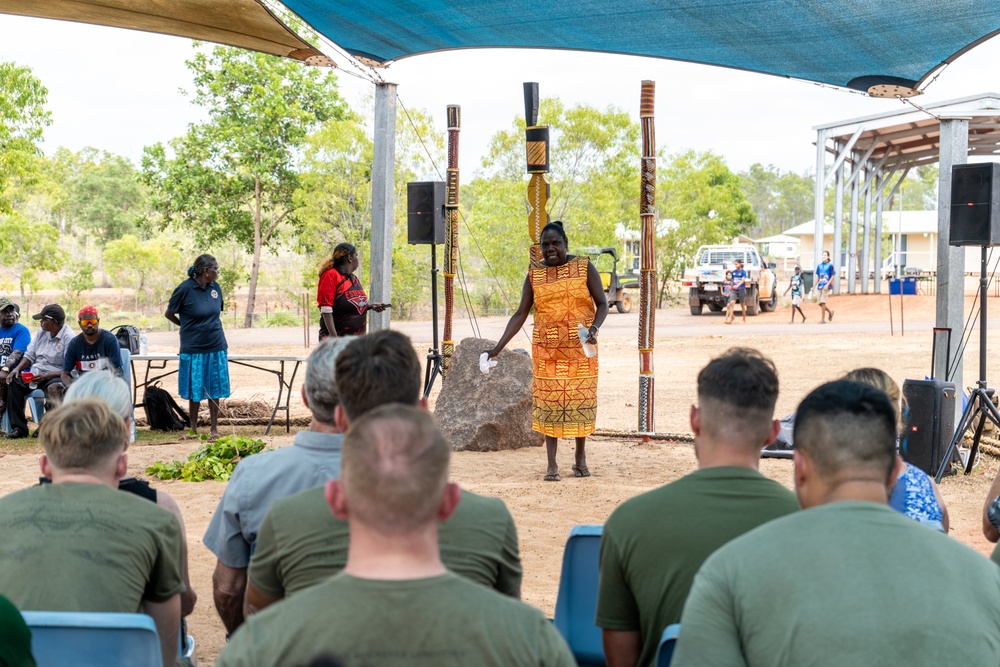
[(5, 369), (593, 329)]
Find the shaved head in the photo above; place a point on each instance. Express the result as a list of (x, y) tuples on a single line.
[(736, 395), (847, 429), (395, 468)]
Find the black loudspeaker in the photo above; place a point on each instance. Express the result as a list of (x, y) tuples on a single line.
[(975, 204), (929, 422), (425, 212)]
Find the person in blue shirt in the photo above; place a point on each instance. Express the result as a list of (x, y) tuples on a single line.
[(738, 290), (824, 283), (196, 307), (797, 288), (14, 341)]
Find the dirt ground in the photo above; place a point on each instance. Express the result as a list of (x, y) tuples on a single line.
[(806, 355)]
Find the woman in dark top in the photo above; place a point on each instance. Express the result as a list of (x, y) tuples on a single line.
[(343, 304), (196, 307)]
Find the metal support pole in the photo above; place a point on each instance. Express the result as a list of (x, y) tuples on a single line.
[(818, 203), (852, 241), (879, 203), (866, 238), (383, 211), (950, 259), (838, 224)]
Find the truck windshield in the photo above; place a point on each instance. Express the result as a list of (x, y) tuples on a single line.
[(723, 257)]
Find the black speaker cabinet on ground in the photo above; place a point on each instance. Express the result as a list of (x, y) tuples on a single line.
[(930, 422), (425, 212), (975, 204)]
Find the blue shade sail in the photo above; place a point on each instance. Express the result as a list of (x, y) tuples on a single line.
[(853, 43)]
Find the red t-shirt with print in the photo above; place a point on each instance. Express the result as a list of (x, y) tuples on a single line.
[(348, 300)]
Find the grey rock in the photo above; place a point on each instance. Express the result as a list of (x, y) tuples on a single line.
[(487, 413)]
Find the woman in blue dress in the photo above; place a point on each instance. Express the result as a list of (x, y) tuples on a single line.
[(914, 493), (196, 307)]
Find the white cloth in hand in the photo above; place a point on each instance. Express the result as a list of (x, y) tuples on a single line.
[(485, 363)]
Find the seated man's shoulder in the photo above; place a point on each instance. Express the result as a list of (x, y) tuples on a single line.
[(340, 609), (309, 501), (476, 507)]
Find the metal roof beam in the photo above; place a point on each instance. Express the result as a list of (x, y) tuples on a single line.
[(843, 154), (858, 166)]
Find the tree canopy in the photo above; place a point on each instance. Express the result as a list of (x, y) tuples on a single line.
[(234, 176), (23, 118)]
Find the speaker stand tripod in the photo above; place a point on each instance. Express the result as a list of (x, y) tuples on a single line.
[(980, 402), (434, 357)]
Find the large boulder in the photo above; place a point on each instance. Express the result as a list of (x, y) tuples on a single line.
[(487, 413)]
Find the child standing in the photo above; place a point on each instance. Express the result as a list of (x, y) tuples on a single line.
[(795, 285), (739, 289), (727, 293)]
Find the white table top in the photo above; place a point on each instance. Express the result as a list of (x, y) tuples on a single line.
[(160, 356)]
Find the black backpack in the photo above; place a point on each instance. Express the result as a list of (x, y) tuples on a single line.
[(162, 411), (128, 338)]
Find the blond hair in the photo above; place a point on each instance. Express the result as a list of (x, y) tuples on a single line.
[(395, 468), (878, 378), (83, 435)]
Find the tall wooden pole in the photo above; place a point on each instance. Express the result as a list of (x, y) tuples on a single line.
[(537, 152), (451, 237), (647, 262)]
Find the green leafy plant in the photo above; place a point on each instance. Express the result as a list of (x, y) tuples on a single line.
[(283, 318), (213, 460)]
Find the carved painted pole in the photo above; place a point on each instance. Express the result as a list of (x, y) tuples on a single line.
[(647, 262), (451, 238), (537, 150)]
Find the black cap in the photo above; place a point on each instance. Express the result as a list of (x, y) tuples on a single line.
[(53, 311)]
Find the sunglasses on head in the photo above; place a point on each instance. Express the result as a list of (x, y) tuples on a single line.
[(87, 322)]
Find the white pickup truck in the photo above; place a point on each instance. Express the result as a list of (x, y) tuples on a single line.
[(704, 281)]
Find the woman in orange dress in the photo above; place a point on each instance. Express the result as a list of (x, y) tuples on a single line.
[(566, 291)]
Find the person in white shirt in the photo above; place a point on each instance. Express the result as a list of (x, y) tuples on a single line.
[(44, 357)]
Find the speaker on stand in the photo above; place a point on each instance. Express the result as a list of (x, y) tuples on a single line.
[(425, 226), (975, 204), (975, 220), (425, 212)]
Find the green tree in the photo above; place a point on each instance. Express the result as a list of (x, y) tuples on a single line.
[(28, 247), (76, 280), (334, 198), (702, 203), (147, 267), (334, 195), (234, 175), (105, 197), (780, 199), (594, 177), (23, 117), (919, 190)]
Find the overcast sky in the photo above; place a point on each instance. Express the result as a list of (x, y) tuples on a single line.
[(119, 90)]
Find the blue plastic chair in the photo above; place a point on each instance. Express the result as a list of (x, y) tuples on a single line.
[(665, 651), (576, 603), (93, 639)]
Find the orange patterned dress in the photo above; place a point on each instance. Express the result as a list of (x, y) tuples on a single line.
[(565, 380)]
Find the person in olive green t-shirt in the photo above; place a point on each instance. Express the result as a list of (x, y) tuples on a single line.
[(653, 544), (846, 581), (79, 544), (395, 603), (300, 543), (15, 637)]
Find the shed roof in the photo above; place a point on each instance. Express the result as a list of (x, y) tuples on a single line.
[(911, 137), (910, 222)]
